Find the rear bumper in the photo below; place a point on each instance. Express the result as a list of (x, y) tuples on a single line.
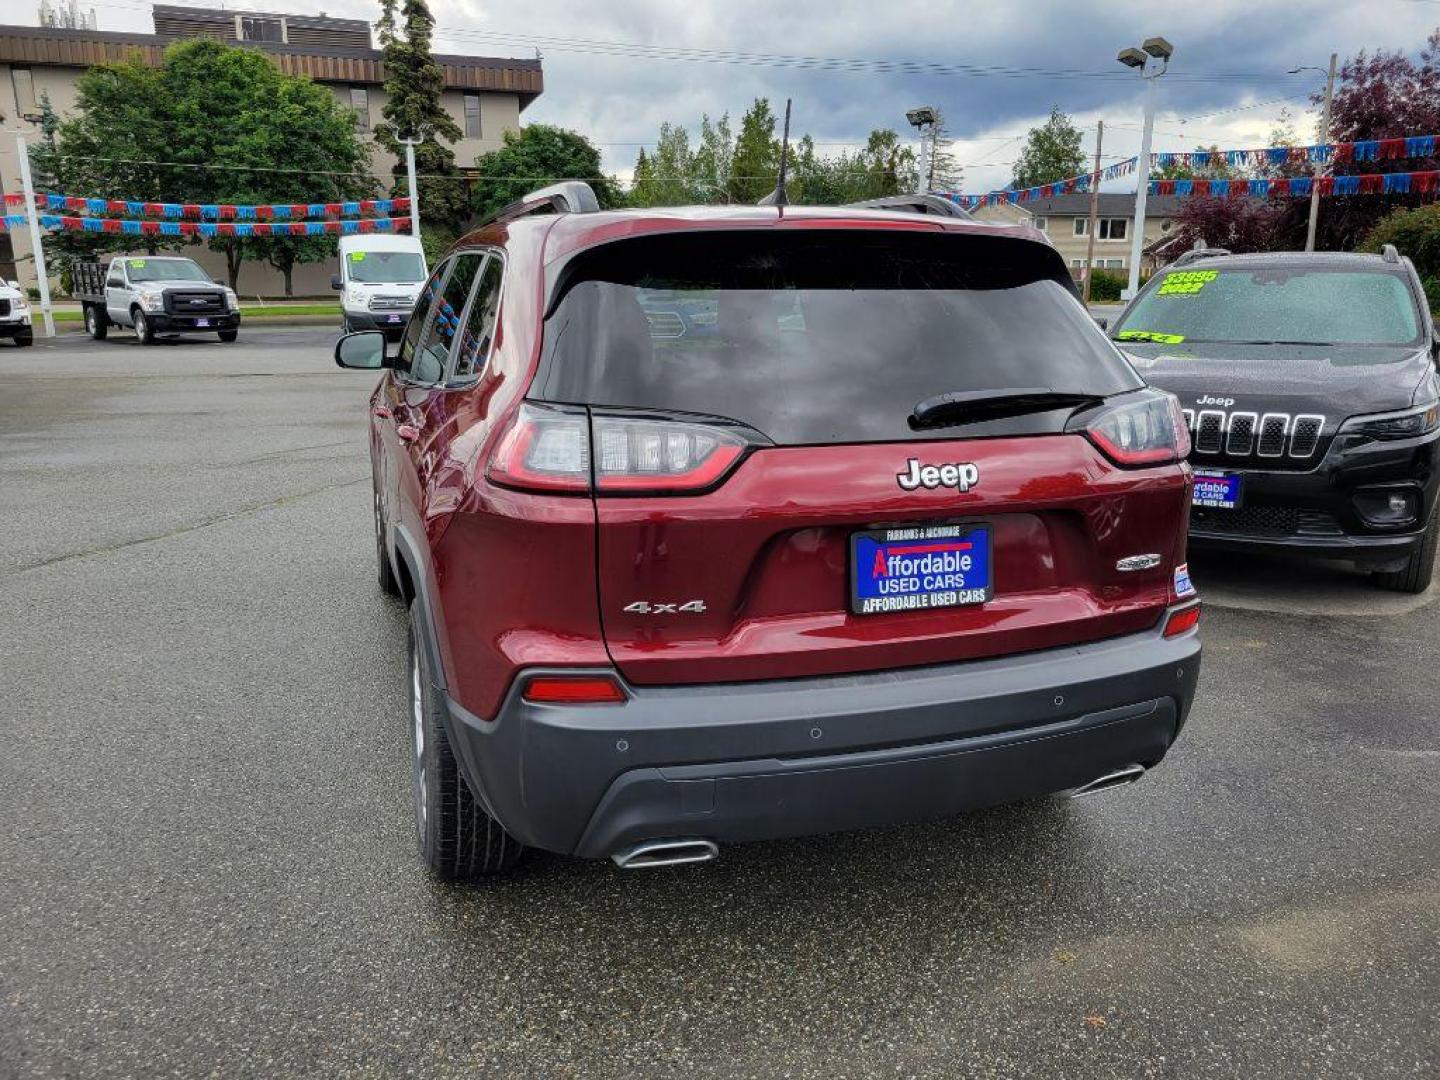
[(1364, 551), (791, 758)]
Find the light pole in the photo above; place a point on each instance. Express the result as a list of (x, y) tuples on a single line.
[(1151, 60), (410, 145), (1324, 140), (921, 118)]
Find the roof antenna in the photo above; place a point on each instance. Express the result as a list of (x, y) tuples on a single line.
[(778, 196)]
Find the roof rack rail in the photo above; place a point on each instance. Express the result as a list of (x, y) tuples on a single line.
[(566, 197), (1389, 254), (1199, 253), (913, 204)]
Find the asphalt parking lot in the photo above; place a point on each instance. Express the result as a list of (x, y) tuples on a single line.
[(206, 845)]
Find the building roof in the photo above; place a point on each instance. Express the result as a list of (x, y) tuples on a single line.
[(55, 47), (1112, 204)]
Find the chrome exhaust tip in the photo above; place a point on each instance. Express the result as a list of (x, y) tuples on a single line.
[(1126, 774), (665, 853)]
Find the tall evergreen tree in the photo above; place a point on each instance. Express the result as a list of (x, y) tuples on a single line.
[(414, 83), (942, 169), (756, 163)]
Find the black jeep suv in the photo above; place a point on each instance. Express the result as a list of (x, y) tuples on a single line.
[(1309, 383)]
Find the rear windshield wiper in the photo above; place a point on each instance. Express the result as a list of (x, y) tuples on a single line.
[(971, 406)]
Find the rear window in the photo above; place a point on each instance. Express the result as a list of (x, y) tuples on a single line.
[(819, 338), (1289, 305)]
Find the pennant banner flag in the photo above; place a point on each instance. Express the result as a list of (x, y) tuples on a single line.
[(72, 204), (1403, 183), (118, 226)]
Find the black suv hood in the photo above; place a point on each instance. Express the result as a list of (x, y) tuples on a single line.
[(1332, 381)]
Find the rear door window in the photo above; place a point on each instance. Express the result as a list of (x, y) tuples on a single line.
[(818, 337)]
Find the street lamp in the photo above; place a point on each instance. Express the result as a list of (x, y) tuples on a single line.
[(925, 116), (1324, 139), (1151, 60)]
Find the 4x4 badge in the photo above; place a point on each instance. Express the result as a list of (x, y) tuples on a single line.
[(962, 476)]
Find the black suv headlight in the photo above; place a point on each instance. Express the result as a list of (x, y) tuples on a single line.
[(1408, 424)]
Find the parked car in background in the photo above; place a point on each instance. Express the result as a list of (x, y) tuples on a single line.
[(379, 279), (155, 295), (1309, 382), (899, 534), (15, 314)]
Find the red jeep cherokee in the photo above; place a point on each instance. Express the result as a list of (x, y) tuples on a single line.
[(723, 524)]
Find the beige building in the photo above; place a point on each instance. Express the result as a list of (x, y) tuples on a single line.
[(485, 95), (1065, 219)]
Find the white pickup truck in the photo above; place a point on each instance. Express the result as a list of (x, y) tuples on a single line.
[(155, 295), (15, 314)]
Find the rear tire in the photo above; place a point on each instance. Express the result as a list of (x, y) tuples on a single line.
[(458, 840), (144, 332), (1415, 575), (97, 325), (228, 335)]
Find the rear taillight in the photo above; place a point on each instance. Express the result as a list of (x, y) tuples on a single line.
[(1148, 430), (1187, 618), (553, 449), (574, 690)]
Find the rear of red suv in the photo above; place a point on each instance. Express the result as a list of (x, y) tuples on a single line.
[(792, 521)]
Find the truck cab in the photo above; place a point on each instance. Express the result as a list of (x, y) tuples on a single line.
[(379, 279)]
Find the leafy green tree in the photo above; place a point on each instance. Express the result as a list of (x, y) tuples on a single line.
[(882, 167), (667, 176), (213, 123), (1051, 152), (713, 159), (755, 165), (536, 155), (414, 84), (1416, 233)]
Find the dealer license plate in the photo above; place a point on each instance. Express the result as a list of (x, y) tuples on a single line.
[(395, 318), (1217, 490), (916, 568), (202, 322)]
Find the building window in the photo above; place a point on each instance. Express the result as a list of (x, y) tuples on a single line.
[(360, 105), (472, 116), (261, 29), (1077, 264), (24, 82), (1112, 264), (1041, 224), (1111, 228)]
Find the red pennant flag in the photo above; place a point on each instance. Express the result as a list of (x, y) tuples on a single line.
[(1280, 187), (71, 223), (112, 225), (264, 213), (225, 228), (333, 209), (150, 228), (1373, 183), (190, 210), (227, 212), (402, 205), (1165, 187), (332, 226), (188, 228), (297, 228), (1424, 182), (116, 206), (368, 225), (298, 210), (1327, 185), (1392, 149), (261, 230)]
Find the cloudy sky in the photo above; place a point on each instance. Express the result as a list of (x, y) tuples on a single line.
[(1006, 64)]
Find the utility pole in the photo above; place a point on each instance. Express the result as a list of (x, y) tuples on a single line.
[(1094, 211), (1319, 168), (410, 145), (37, 248)]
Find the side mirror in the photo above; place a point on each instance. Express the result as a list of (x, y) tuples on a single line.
[(336, 283), (1102, 322), (364, 351)]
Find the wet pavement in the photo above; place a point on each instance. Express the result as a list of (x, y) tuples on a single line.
[(207, 865)]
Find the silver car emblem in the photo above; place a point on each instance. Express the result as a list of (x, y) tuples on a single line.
[(1137, 562)]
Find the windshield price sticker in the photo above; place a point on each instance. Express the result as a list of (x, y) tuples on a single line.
[(1151, 336), (357, 256), (138, 264), (1187, 282)]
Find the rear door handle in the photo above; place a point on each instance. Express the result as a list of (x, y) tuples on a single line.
[(407, 433), (382, 411)]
